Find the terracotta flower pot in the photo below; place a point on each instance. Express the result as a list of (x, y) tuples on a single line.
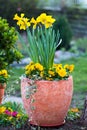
[(2, 88), (47, 102)]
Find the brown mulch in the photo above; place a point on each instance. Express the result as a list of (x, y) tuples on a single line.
[(69, 125)]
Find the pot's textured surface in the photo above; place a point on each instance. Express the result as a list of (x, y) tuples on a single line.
[(2, 87), (48, 103)]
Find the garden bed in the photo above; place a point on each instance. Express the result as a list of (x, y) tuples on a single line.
[(69, 125), (80, 91)]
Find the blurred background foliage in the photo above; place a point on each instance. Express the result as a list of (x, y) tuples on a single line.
[(9, 7), (70, 14), (65, 31)]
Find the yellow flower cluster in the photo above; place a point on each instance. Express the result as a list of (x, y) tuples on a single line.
[(74, 110), (4, 73), (69, 67), (22, 21), (11, 116), (2, 109), (33, 68), (43, 19), (58, 71), (3, 76)]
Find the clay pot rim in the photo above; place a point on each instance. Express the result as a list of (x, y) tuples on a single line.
[(27, 79)]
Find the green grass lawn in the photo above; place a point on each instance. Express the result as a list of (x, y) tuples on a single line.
[(13, 85), (79, 73), (79, 79)]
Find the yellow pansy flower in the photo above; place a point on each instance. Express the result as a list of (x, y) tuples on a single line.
[(4, 73), (26, 67), (26, 72), (62, 73), (32, 67), (58, 67), (50, 72), (66, 66), (39, 66), (74, 110), (48, 78), (18, 115), (10, 118), (2, 109), (10, 109), (42, 73), (71, 68)]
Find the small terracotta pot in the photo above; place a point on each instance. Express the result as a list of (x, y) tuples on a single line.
[(48, 103), (2, 88)]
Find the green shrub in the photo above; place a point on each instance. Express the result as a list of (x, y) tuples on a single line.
[(62, 25), (8, 50)]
